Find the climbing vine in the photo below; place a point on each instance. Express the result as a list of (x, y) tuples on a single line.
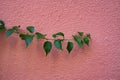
[(80, 38)]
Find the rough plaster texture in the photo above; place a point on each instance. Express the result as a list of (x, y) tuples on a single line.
[(99, 61)]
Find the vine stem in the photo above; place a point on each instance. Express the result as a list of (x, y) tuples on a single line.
[(17, 32), (56, 39)]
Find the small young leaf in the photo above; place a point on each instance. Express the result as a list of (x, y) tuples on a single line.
[(9, 32), (80, 33), (58, 34), (2, 26), (47, 47), (78, 40), (40, 35), (58, 44), (30, 29), (27, 37), (15, 28), (69, 46), (86, 40), (88, 35)]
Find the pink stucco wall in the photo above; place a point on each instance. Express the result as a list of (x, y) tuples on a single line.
[(100, 61)]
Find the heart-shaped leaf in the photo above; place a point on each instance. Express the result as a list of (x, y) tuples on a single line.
[(40, 35), (28, 38), (78, 40), (69, 46), (9, 32), (58, 44), (47, 47), (30, 29)]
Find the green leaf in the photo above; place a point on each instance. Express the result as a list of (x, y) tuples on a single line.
[(30, 29), (58, 34), (15, 28), (28, 38), (69, 46), (9, 32), (58, 44), (22, 36), (2, 26), (80, 33), (2, 23), (40, 35), (47, 47), (86, 40), (78, 40), (89, 36)]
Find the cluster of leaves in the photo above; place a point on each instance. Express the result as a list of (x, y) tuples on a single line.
[(80, 38)]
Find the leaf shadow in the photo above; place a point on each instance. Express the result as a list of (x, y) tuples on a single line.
[(3, 42)]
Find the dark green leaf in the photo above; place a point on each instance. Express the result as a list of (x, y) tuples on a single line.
[(9, 32), (22, 36), (40, 35), (78, 40), (88, 35), (69, 46), (58, 44), (86, 40), (80, 33), (30, 29), (27, 37), (15, 28), (58, 34), (2, 26), (47, 47), (2, 23)]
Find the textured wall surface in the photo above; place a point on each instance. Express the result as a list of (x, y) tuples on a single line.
[(100, 61)]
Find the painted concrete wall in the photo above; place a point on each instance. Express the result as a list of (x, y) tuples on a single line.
[(100, 61)]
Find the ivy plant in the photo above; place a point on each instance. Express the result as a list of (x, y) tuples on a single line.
[(80, 38)]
